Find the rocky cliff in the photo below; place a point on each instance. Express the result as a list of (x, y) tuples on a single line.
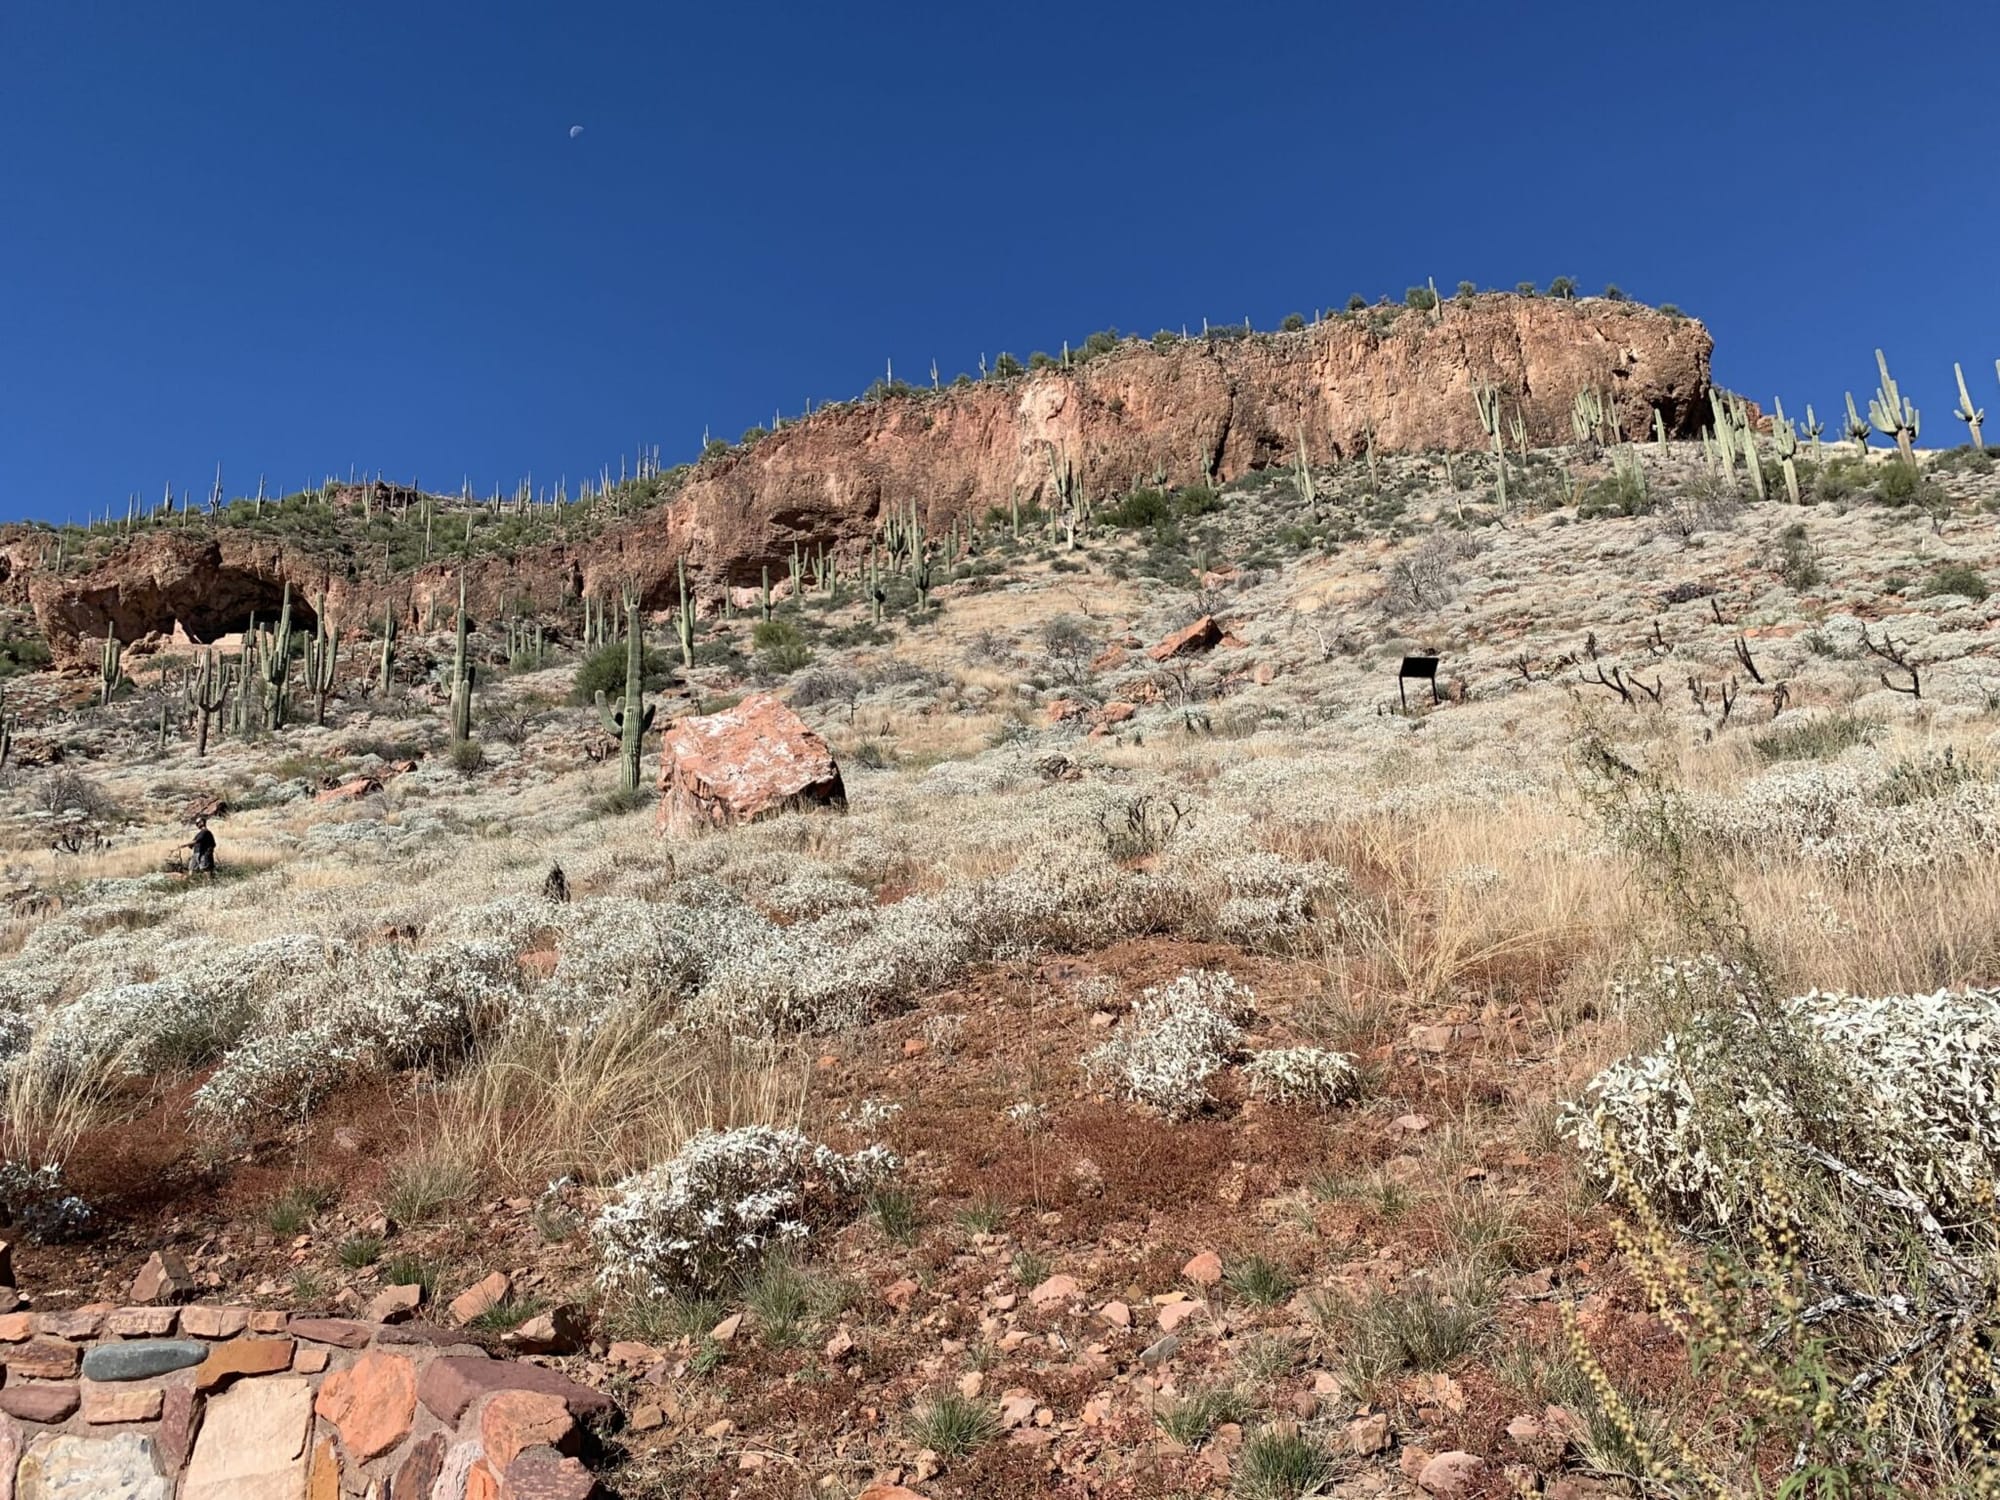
[(1196, 408)]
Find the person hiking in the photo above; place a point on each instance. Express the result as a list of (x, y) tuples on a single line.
[(201, 850)]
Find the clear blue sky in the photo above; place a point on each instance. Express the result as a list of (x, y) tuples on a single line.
[(301, 238)]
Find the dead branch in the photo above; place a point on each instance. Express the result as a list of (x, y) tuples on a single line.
[(1896, 656), (1749, 663)]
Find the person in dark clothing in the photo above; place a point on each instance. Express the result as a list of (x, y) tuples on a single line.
[(201, 850)]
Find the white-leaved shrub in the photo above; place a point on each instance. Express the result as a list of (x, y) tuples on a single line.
[(1303, 1075), (1178, 1035), (1903, 1089), (692, 1224)]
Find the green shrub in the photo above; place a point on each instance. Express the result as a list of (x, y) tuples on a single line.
[(603, 671), (952, 1426), (1623, 494), (781, 647), (1422, 298), (1293, 322), (1141, 508), (1957, 578), (1005, 366), (1819, 738), (1194, 1416), (468, 757), (1281, 1463)]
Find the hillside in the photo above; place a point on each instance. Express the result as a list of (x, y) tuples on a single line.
[(1170, 412), (1320, 1226)]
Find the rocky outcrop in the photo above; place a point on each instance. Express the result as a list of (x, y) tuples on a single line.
[(1202, 408), (746, 762)]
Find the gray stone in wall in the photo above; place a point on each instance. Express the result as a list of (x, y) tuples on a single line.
[(142, 1358)]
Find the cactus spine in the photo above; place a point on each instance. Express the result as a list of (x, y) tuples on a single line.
[(1972, 416), (461, 676), (631, 720), (1892, 413)]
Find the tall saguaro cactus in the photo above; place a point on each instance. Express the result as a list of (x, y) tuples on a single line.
[(684, 621), (461, 676), (632, 719), (278, 665), (387, 675), (1972, 416), (207, 696), (1892, 413), (321, 653), (111, 666)]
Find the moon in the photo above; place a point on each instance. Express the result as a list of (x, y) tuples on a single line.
[(575, 131)]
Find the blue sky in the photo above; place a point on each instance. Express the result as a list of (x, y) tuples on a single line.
[(301, 239)]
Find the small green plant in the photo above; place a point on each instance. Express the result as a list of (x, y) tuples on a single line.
[(513, 1312), (294, 1208), (951, 1426), (468, 757), (1260, 1280), (603, 671), (1191, 1419), (1425, 1325), (895, 1212), (423, 1186), (982, 1216), (408, 1269), (1957, 578), (309, 1288), (1280, 1462), (1029, 1269), (359, 1250), (790, 1303)]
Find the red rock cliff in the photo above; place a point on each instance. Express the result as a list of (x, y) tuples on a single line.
[(1199, 407)]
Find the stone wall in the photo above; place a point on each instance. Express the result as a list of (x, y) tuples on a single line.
[(233, 1403)]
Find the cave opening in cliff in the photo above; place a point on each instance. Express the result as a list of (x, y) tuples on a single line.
[(230, 600)]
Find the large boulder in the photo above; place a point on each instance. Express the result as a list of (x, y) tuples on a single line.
[(717, 770)]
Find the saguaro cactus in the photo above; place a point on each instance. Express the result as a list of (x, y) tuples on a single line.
[(387, 675), (321, 653), (1786, 441), (632, 718), (1892, 413), (111, 666), (462, 672), (207, 696), (684, 621), (278, 665), (1487, 398), (1972, 416)]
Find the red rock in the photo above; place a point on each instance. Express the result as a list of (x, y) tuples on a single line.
[(141, 1322), (349, 791), (481, 1483), (1204, 1270), (371, 1403), (309, 1359), (180, 1416), (514, 1421), (1053, 1292), (1061, 710), (343, 1333), (1454, 1473), (899, 1294), (43, 1359), (1191, 640), (119, 1402), (417, 1474), (1369, 1434), (242, 1357), (164, 1278), (560, 1330), (542, 1474), (1111, 656), (40, 1403), (16, 1326), (482, 1297), (1114, 713), (214, 1322), (453, 1382), (758, 758), (80, 1323), (393, 1304)]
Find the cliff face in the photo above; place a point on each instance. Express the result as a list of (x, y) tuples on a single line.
[(1200, 408)]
